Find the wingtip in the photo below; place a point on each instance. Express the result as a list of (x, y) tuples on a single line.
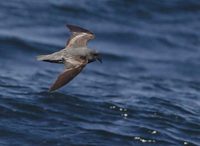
[(51, 89), (75, 28)]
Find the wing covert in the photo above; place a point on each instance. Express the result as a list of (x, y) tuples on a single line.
[(79, 37), (72, 69)]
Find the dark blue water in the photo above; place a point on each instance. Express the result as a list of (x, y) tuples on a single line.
[(146, 93)]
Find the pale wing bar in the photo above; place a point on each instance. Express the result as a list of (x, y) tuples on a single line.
[(66, 77), (79, 37), (68, 74)]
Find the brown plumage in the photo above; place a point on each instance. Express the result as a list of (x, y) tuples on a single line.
[(79, 37), (75, 56), (67, 75)]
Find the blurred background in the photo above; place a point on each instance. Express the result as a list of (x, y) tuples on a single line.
[(145, 93)]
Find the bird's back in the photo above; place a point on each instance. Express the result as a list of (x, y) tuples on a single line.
[(80, 51)]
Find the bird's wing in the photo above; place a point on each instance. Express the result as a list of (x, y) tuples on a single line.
[(72, 68), (79, 37)]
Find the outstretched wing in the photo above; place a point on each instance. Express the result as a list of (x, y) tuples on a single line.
[(79, 37), (72, 69)]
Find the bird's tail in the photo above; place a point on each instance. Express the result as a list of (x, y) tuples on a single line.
[(42, 57), (50, 58)]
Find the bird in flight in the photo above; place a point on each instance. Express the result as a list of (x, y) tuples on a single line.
[(75, 56)]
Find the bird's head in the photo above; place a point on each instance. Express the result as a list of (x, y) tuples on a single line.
[(95, 56)]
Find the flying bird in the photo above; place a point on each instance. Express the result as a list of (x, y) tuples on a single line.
[(75, 56)]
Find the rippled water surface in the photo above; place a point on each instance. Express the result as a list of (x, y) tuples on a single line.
[(146, 92)]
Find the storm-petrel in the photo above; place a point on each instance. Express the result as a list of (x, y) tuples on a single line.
[(75, 56)]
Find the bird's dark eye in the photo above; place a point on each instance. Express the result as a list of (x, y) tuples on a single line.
[(82, 57), (95, 54)]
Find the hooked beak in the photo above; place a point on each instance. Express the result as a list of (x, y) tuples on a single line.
[(99, 58)]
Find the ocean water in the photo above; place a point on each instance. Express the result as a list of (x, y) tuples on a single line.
[(146, 92)]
